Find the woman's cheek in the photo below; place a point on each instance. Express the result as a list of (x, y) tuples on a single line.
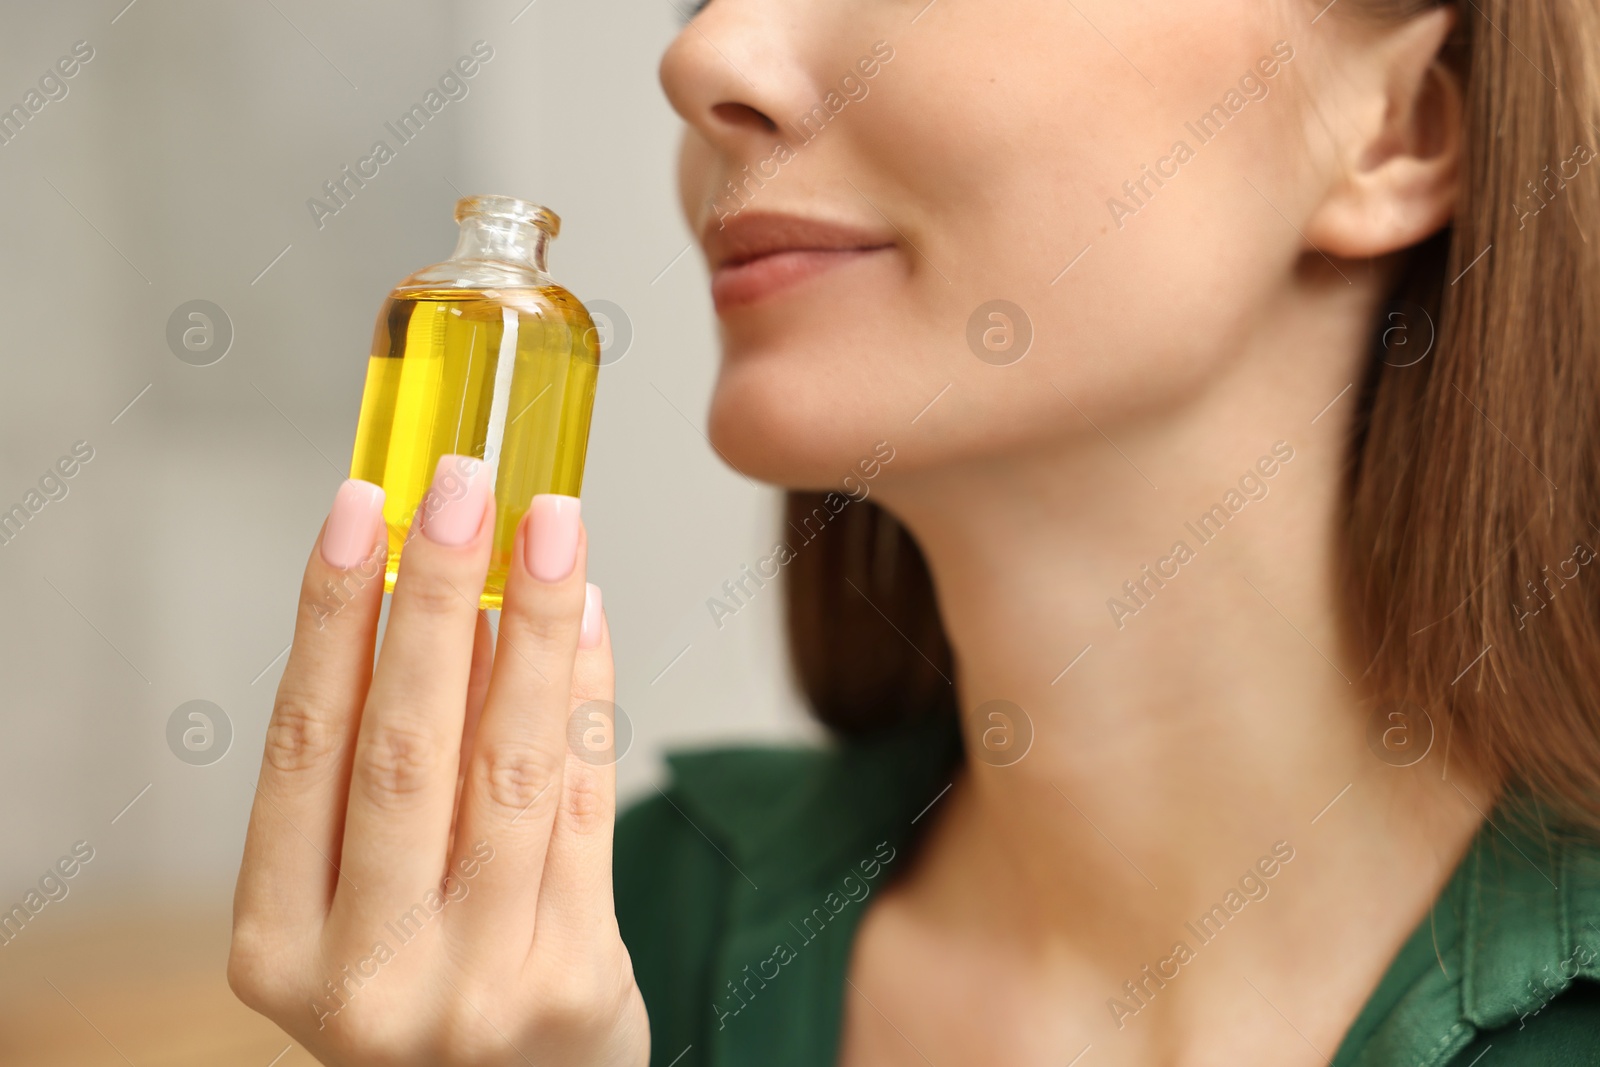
[(696, 161)]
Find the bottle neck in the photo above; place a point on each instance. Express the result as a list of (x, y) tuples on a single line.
[(502, 240)]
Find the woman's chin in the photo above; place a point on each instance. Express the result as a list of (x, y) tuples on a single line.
[(793, 441)]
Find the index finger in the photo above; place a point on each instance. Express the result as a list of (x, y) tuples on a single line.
[(291, 850)]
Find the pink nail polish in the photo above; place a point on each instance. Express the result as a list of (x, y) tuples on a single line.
[(589, 629), (351, 531), (453, 507), (551, 547)]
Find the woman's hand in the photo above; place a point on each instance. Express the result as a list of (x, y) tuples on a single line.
[(427, 876)]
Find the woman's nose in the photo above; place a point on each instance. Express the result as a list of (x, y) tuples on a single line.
[(733, 73)]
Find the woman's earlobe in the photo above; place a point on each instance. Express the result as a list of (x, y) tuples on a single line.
[(1403, 183)]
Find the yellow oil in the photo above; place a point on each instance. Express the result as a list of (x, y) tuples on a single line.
[(504, 375)]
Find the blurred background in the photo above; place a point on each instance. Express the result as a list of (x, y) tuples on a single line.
[(174, 166)]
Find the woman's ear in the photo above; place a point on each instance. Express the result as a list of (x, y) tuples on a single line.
[(1402, 164)]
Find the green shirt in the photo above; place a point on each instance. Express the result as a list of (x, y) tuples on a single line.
[(739, 889)]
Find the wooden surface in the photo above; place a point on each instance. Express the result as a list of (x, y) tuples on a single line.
[(147, 988)]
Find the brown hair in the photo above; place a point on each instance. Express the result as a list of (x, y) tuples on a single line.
[(1472, 487)]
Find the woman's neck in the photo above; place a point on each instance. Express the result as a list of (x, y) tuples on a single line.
[(1161, 602)]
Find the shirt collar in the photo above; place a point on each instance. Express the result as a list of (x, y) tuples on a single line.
[(792, 815), (814, 835), (1516, 925)]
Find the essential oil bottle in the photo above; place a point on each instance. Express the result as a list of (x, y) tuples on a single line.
[(482, 355)]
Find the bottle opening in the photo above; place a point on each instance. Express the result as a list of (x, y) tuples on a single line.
[(511, 209)]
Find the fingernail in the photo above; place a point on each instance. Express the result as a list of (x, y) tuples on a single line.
[(349, 535), (453, 508), (589, 629), (552, 543)]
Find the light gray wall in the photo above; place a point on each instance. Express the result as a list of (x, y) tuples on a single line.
[(177, 168)]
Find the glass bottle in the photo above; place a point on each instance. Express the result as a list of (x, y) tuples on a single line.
[(482, 355)]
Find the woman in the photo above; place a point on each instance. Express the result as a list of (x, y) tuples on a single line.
[(1213, 660)]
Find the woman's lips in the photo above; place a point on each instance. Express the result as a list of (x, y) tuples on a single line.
[(737, 284), (758, 254)]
